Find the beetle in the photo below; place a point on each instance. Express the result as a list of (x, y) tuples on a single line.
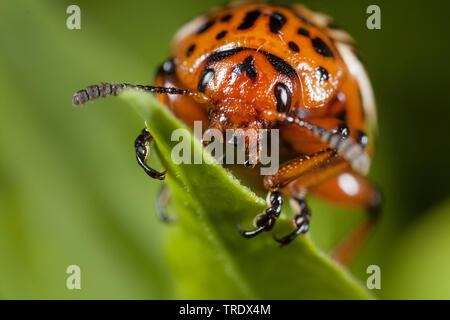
[(260, 66)]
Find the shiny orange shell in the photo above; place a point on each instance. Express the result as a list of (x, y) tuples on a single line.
[(330, 84)]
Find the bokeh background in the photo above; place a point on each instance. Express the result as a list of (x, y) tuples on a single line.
[(71, 193)]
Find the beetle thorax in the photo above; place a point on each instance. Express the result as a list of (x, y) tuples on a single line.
[(241, 86)]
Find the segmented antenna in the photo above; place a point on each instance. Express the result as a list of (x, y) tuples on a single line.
[(106, 89), (351, 151)]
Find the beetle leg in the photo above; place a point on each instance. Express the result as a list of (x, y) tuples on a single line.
[(265, 221), (332, 183), (301, 221), (294, 168), (288, 172), (298, 188), (352, 190), (163, 199), (142, 147), (346, 250)]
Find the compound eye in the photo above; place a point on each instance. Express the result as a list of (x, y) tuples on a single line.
[(205, 79), (283, 96)]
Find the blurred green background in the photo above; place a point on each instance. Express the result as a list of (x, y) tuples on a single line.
[(71, 192)]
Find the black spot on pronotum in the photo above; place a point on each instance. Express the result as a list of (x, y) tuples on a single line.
[(322, 74), (206, 26), (321, 47), (220, 35), (247, 66), (283, 96), (293, 46), (280, 65), (303, 32), (220, 55), (226, 18), (249, 19), (277, 21), (205, 78), (190, 50)]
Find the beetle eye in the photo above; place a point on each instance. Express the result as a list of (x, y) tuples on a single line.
[(283, 96), (205, 78)]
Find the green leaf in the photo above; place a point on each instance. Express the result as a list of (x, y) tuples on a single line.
[(417, 265), (208, 256)]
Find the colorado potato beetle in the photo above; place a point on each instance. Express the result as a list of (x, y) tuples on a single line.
[(260, 66)]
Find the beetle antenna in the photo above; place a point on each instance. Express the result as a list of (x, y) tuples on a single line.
[(346, 147), (106, 89)]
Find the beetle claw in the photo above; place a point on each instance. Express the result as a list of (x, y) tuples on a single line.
[(301, 221), (252, 233), (288, 239), (141, 145), (266, 221)]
